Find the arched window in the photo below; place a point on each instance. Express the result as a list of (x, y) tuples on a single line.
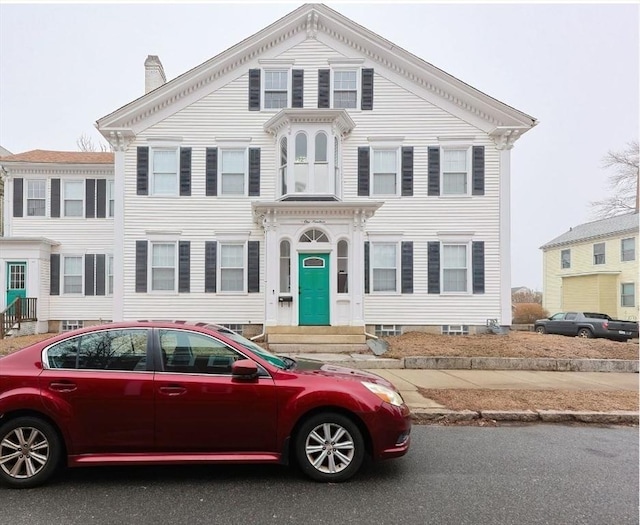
[(321, 165), (343, 266), (314, 235), (301, 171), (321, 147), (283, 164), (285, 267)]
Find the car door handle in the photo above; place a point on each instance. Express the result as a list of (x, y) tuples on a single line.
[(62, 386), (174, 390)]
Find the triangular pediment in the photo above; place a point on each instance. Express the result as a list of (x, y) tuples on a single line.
[(317, 21)]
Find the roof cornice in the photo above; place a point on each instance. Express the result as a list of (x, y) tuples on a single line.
[(338, 118), (315, 20)]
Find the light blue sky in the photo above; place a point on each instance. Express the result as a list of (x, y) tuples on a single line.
[(572, 66)]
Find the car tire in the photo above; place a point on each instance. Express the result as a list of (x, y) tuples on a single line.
[(585, 333), (30, 450), (541, 330), (329, 447)]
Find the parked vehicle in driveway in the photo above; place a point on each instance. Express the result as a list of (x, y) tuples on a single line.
[(587, 324), (161, 393)]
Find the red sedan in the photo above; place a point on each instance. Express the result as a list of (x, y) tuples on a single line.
[(160, 393)]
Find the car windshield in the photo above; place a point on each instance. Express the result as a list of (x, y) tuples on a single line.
[(253, 347)]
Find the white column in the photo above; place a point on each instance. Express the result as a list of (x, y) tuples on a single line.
[(118, 236), (505, 236), (271, 262), (356, 264)]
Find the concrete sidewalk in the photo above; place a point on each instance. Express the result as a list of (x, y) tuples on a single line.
[(408, 380)]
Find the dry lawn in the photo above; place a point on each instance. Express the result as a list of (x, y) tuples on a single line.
[(514, 344), (484, 399)]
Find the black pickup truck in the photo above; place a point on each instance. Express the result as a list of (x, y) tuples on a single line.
[(587, 324)]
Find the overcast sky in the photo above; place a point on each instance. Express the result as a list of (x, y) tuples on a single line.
[(574, 67)]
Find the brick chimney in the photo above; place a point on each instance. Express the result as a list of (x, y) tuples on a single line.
[(153, 73)]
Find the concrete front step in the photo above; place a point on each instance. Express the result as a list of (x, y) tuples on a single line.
[(315, 330), (316, 339), (304, 348)]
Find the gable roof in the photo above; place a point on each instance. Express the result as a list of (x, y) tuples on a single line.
[(60, 157), (597, 229), (316, 21)]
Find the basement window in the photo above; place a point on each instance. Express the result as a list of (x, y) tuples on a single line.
[(383, 330), (67, 326), (236, 327), (455, 329)]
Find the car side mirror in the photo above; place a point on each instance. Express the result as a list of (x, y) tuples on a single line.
[(244, 369)]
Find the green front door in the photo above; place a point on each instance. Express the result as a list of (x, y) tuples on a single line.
[(16, 281), (313, 279)]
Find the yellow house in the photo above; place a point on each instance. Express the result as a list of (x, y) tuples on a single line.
[(593, 267)]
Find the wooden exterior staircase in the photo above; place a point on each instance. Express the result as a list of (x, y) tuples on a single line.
[(22, 309)]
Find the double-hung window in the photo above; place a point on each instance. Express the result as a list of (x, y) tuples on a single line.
[(164, 177), (163, 266), (384, 266), (73, 198), (36, 197), (599, 253), (384, 170), (628, 249), (72, 275), (628, 294), (345, 88), (232, 267), (110, 198), (455, 171), (455, 268), (565, 258), (109, 274), (233, 171), (275, 89)]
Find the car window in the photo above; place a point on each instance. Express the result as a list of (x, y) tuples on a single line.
[(123, 349), (557, 317), (571, 316), (193, 353)]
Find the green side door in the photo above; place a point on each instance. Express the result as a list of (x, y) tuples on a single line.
[(16, 281), (313, 279)]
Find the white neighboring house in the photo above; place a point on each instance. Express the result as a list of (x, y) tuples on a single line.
[(312, 175), (57, 244)]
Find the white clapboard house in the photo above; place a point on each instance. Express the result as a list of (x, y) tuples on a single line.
[(312, 178)]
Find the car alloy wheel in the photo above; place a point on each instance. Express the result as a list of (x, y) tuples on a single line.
[(330, 447), (29, 452)]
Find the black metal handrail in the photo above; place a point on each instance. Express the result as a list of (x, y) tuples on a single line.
[(21, 309)]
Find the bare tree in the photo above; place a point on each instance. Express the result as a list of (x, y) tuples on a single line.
[(85, 143), (623, 183), (526, 296)]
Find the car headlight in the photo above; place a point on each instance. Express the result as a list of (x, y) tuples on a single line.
[(386, 394)]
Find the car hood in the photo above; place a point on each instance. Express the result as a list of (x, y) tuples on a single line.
[(311, 366)]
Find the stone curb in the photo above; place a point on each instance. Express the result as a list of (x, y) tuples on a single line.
[(517, 363), (619, 417)]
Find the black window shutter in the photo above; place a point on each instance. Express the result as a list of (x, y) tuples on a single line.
[(363, 171), (210, 254), (324, 88), (54, 274), (254, 90), (297, 88), (434, 171), (184, 266), (101, 274), (366, 267), (141, 266), (254, 172), (18, 199), (55, 197), (142, 183), (433, 267), (185, 171), (101, 198), (407, 267), (89, 274), (90, 198), (477, 265), (367, 89), (407, 171), (253, 273), (478, 170), (211, 172)]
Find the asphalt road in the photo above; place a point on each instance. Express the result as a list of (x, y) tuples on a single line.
[(521, 475)]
